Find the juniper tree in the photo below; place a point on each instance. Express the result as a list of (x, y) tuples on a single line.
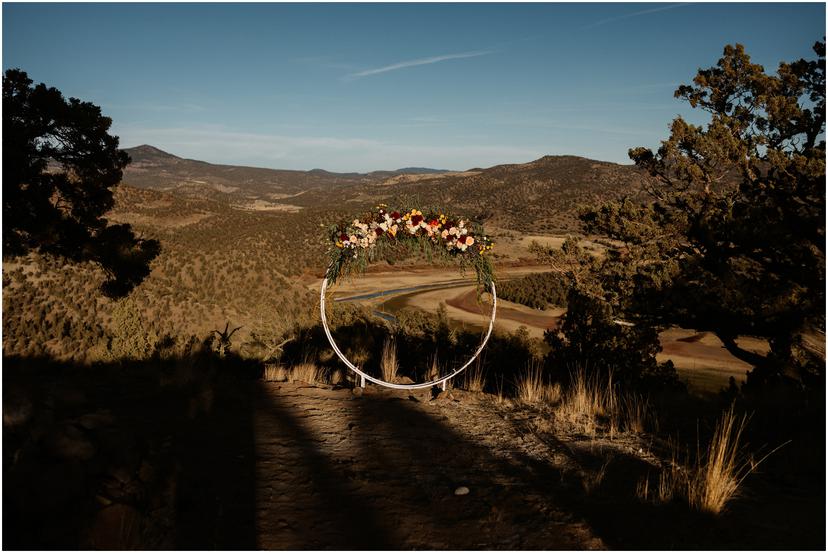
[(59, 167), (732, 240)]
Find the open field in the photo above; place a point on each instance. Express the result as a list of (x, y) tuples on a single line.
[(700, 359)]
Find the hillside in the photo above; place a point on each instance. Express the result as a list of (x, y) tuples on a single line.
[(249, 187), (542, 195)]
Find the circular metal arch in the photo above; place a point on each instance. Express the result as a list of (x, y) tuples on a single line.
[(370, 378)]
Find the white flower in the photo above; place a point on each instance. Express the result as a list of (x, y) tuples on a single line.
[(444, 234)]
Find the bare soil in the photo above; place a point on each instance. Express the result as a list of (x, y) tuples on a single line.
[(381, 471)]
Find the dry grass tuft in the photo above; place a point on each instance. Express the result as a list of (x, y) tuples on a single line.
[(593, 402), (388, 361), (713, 480), (275, 373), (306, 372), (636, 414), (530, 387), (474, 379), (587, 400), (719, 473), (500, 397)]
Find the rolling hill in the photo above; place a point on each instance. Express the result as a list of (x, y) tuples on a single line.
[(541, 195)]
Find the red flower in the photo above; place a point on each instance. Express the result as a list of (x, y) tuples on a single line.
[(462, 239), (395, 215), (434, 223), (379, 231), (343, 237), (416, 220)]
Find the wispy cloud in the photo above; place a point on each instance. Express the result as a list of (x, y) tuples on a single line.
[(414, 63), (635, 14)]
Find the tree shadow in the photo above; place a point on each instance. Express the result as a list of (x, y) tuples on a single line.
[(616, 513), (523, 501), (323, 511), (148, 455), (426, 462), (193, 452)]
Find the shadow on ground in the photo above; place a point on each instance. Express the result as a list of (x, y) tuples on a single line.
[(196, 453)]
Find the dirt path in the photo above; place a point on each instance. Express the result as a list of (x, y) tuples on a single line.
[(335, 471)]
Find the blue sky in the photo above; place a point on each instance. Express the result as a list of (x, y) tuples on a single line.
[(381, 86)]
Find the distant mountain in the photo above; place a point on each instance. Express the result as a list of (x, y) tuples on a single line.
[(156, 169), (541, 196), (421, 170)]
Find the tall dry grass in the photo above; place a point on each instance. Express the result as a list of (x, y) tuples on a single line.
[(500, 396), (637, 415), (530, 385), (474, 379), (532, 388), (722, 469), (306, 372), (389, 366), (712, 481), (589, 401), (593, 402), (275, 373)]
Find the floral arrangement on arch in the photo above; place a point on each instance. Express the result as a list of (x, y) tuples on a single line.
[(383, 231)]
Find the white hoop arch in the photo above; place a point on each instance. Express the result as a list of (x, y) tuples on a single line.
[(381, 382)]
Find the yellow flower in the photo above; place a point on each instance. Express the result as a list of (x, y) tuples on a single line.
[(339, 244)]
